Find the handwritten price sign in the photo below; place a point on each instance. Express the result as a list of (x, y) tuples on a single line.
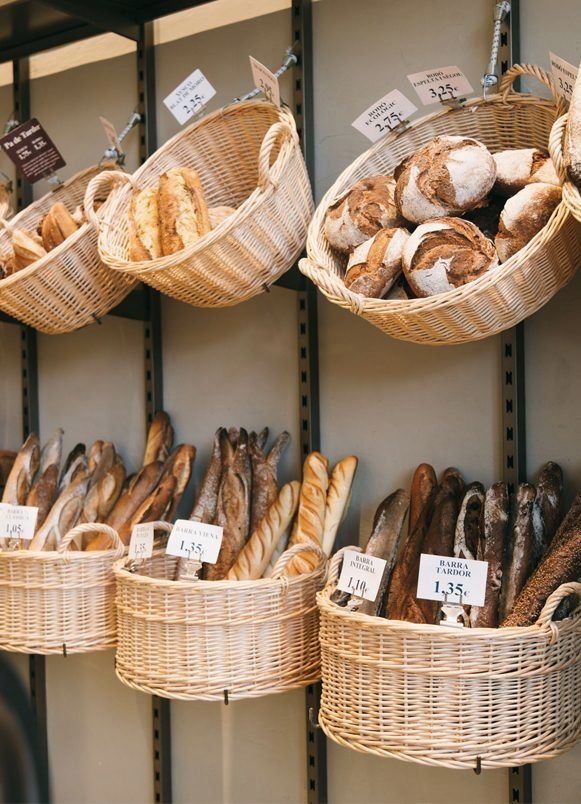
[(384, 115), (458, 580), (265, 80), (442, 84), (17, 521), (195, 541), (361, 574), (141, 544), (565, 75), (190, 96)]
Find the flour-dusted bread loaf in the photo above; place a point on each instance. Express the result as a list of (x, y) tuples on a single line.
[(572, 143), (448, 176), (517, 167), (183, 214), (444, 254), (547, 508), (374, 266), (144, 231), (523, 216), (361, 212), (56, 226)]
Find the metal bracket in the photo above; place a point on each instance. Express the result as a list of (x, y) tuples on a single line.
[(289, 60)]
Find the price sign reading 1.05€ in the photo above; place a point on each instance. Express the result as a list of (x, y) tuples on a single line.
[(195, 541), (443, 84), (190, 97), (384, 115), (361, 574), (265, 80), (565, 75), (141, 544), (458, 580), (17, 521)]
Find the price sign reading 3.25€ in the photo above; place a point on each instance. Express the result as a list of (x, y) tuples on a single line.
[(195, 541), (458, 580), (442, 84), (565, 75), (17, 521), (361, 574)]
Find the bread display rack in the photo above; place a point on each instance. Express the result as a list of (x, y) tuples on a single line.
[(456, 698), (499, 299), (69, 287), (248, 157), (217, 640), (61, 601)]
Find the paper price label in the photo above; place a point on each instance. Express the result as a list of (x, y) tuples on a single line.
[(384, 115), (265, 80), (32, 151), (361, 574), (141, 544), (565, 75), (17, 521), (195, 540), (190, 97), (110, 133), (445, 83), (460, 579)]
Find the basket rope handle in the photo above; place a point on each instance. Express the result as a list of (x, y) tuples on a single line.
[(329, 284), (105, 181), (92, 527), (533, 71), (563, 591), (556, 145), (293, 551), (335, 567), (266, 172)]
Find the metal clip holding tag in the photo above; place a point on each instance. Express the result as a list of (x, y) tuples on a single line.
[(117, 154), (453, 103), (452, 615)]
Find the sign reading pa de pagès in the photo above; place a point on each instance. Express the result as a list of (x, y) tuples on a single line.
[(32, 151)]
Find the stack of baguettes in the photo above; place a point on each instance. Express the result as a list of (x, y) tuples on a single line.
[(530, 549)]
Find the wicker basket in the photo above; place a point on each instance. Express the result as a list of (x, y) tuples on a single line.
[(456, 698), (210, 640), (248, 157), (69, 287), (499, 299), (60, 601), (571, 194)]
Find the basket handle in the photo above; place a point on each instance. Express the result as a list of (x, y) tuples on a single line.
[(533, 71), (563, 591), (104, 181), (293, 551), (335, 567), (92, 527), (556, 145), (332, 286), (266, 173)]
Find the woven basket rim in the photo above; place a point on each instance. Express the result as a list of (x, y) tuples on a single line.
[(53, 555)]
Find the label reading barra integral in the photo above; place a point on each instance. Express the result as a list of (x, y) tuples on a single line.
[(361, 574)]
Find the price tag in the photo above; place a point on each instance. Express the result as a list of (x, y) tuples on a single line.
[(384, 115), (445, 83), (110, 133), (265, 80), (17, 521), (195, 540), (361, 574), (565, 75), (141, 544), (32, 151), (190, 97), (461, 579)]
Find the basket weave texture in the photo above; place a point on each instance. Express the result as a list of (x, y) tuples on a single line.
[(59, 601), (445, 696), (195, 640), (247, 156), (500, 298), (571, 194), (69, 287)]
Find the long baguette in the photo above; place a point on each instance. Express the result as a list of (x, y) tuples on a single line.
[(311, 514), (521, 548), (337, 501), (491, 549), (424, 482)]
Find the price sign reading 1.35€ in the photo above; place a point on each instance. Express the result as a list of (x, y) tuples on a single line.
[(190, 97), (384, 115), (565, 75), (458, 580), (361, 574), (195, 541), (443, 84), (141, 544), (17, 521), (265, 80)]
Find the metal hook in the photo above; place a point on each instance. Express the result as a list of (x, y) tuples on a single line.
[(65, 654), (478, 769), (226, 701), (312, 719), (289, 60)]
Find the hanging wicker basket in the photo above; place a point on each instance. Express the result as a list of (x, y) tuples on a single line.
[(571, 193), (60, 601), (499, 299), (455, 698), (216, 640), (247, 156), (69, 287)]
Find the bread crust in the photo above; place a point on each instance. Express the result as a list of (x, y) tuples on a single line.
[(374, 266), (144, 227), (337, 502), (183, 214), (57, 225), (424, 482), (523, 216), (27, 248), (519, 562), (491, 549), (310, 522)]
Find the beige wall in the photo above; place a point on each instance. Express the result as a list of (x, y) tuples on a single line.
[(393, 404)]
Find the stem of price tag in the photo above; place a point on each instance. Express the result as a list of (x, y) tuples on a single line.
[(452, 614), (289, 60)]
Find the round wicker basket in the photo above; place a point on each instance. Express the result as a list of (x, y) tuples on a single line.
[(69, 287), (247, 156), (499, 299), (60, 601), (211, 640), (456, 698), (571, 193)]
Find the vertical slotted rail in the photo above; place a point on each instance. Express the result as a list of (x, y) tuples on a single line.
[(514, 449), (160, 707), (302, 32)]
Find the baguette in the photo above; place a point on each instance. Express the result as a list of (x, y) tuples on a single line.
[(337, 502), (104, 493), (27, 248), (424, 482), (547, 508), (144, 230), (521, 548), (310, 521), (43, 493), (264, 476), (491, 549), (75, 462), (153, 508), (159, 439), (63, 515), (205, 507), (179, 465), (183, 214), (51, 452), (470, 524)]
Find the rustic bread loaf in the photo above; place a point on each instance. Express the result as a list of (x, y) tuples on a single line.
[(338, 496), (374, 266), (27, 248), (144, 232), (491, 549), (183, 214), (517, 167), (519, 562), (523, 216), (56, 226), (572, 143)]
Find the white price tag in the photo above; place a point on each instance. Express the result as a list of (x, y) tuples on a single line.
[(384, 115), (110, 133), (461, 579), (445, 83), (195, 540), (565, 75), (17, 521), (361, 574), (191, 96), (265, 80), (141, 544)]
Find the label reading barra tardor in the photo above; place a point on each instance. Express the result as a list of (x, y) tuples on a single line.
[(190, 97), (384, 115), (361, 574), (444, 83), (457, 579), (17, 521), (195, 541)]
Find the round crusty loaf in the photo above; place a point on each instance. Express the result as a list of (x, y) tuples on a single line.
[(375, 265), (517, 167), (448, 176), (524, 215), (444, 254), (360, 213)]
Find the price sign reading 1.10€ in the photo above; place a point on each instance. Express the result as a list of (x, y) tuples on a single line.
[(17, 521), (195, 541), (457, 580), (361, 574)]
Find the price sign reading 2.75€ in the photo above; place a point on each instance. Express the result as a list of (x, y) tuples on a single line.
[(195, 540), (361, 574), (459, 580), (190, 97), (384, 115)]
